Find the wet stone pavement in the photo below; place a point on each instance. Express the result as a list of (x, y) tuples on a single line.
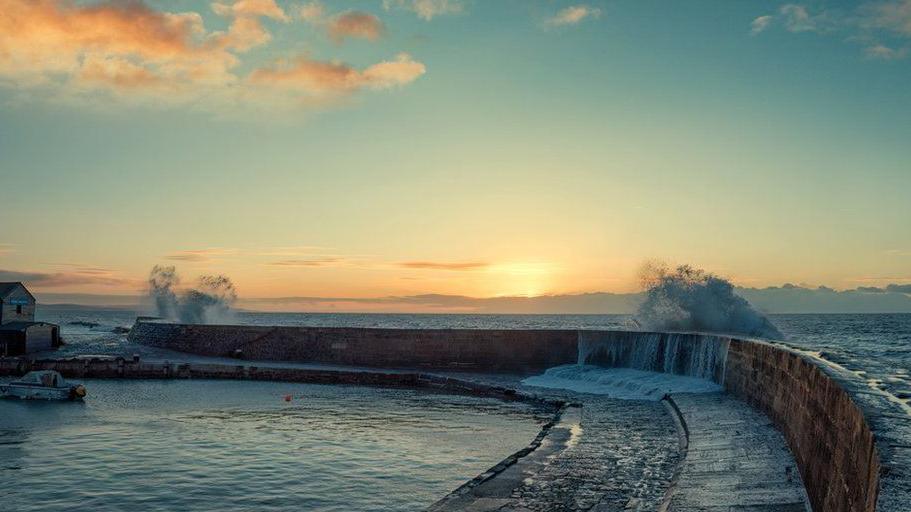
[(609, 455), (736, 460), (623, 459), (616, 455)]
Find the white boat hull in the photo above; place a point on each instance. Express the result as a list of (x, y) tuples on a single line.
[(28, 392)]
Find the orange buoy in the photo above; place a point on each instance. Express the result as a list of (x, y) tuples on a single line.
[(287, 398)]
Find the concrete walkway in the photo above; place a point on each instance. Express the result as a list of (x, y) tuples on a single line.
[(736, 461)]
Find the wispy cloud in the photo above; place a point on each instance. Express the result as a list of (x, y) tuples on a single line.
[(882, 28), (440, 265), (310, 262), (246, 30), (80, 268), (293, 251), (426, 9), (199, 255), (883, 52), (355, 25), (75, 277), (894, 16), (573, 15), (321, 77), (797, 18), (311, 11), (760, 24), (349, 24)]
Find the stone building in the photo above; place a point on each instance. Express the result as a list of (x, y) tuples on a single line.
[(19, 332)]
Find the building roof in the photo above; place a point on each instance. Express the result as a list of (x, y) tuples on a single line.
[(20, 326), (10, 287)]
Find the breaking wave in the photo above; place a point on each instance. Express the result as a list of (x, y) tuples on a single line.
[(210, 302), (689, 299)]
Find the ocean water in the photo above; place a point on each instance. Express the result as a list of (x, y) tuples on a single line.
[(879, 345), (225, 445)]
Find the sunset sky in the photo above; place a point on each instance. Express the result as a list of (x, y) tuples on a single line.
[(484, 148)]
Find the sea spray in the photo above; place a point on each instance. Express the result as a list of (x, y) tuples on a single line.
[(209, 302), (162, 281), (689, 299)]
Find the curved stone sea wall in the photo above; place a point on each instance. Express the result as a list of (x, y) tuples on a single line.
[(853, 456), (827, 432)]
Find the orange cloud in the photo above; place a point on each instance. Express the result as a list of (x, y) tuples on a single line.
[(110, 44), (117, 73), (246, 30), (78, 277), (436, 265), (313, 262), (306, 74), (200, 255), (46, 33), (73, 50), (355, 24)]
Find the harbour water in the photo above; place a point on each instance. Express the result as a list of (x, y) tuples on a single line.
[(229, 445)]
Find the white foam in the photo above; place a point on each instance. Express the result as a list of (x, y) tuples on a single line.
[(624, 383)]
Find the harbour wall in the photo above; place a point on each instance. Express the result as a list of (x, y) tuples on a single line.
[(104, 367), (852, 456), (450, 349)]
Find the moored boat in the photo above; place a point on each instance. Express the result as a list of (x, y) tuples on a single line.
[(43, 385)]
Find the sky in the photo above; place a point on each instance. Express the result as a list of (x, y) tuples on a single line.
[(383, 148)]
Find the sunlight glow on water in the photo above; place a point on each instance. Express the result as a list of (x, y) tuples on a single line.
[(223, 445)]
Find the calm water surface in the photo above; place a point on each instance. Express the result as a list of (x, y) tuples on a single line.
[(223, 445)]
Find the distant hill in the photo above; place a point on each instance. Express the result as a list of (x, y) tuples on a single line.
[(783, 299), (796, 299)]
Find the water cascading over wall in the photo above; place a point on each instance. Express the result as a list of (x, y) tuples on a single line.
[(694, 355)]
